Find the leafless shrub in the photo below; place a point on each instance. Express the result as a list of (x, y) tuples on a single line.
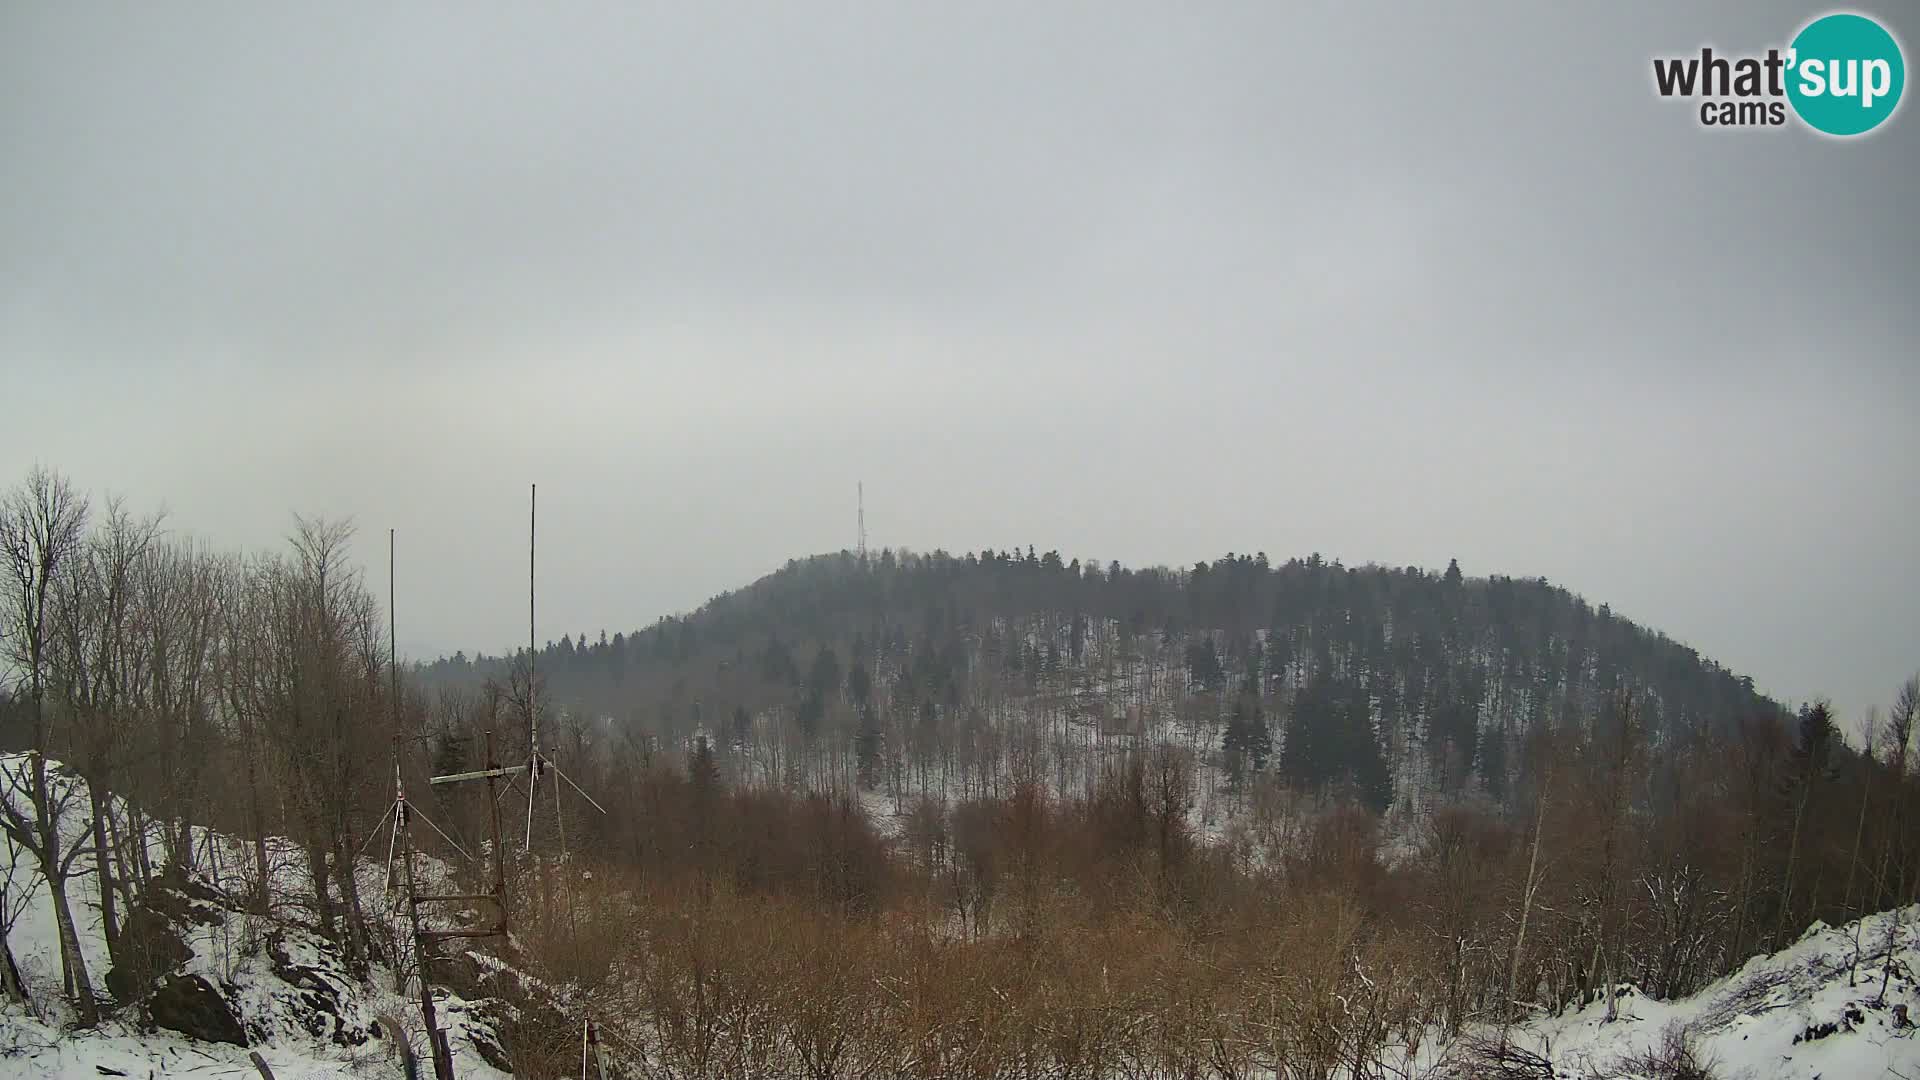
[(1748, 997), (1492, 1057), (1675, 1057)]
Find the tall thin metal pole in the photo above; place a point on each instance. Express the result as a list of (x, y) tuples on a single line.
[(499, 853), (533, 714), (442, 1060), (533, 710), (393, 638)]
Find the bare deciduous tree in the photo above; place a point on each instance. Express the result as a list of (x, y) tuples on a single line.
[(101, 674), (1900, 723), (42, 528)]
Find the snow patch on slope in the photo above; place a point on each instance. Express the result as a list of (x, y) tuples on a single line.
[(294, 1001), (1794, 1014)]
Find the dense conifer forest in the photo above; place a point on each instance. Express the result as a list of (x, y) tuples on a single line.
[(1390, 680)]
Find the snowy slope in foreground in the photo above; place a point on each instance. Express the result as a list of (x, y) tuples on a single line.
[(1791, 1014), (283, 983)]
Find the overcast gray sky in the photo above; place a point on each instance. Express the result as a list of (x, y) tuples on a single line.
[(1139, 282)]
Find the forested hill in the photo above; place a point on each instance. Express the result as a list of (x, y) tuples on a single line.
[(1391, 679)]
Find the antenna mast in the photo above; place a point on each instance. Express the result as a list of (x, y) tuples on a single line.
[(393, 645), (537, 766), (402, 837), (861, 489), (533, 714)]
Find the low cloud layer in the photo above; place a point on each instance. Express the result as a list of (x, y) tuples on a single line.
[(1134, 283)]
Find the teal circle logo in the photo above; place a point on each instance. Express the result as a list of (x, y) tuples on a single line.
[(1845, 74)]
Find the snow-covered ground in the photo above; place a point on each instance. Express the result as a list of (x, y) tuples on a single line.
[(284, 984), (1793, 1014)]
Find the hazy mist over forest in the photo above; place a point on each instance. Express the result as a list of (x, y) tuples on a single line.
[(1140, 287), (1237, 541)]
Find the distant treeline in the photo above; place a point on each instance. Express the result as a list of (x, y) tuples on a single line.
[(1353, 673)]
